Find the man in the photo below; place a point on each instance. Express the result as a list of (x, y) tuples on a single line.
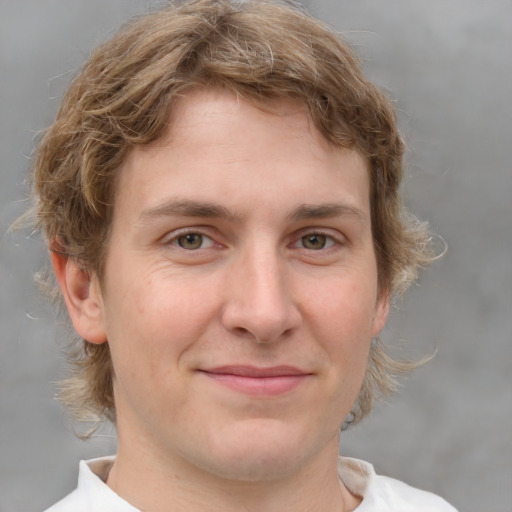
[(219, 194)]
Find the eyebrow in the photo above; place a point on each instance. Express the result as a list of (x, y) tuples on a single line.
[(326, 211), (189, 208), (186, 208)]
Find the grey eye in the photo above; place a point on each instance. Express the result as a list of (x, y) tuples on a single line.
[(314, 241), (190, 241)]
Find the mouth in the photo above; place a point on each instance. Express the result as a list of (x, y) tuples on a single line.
[(256, 381)]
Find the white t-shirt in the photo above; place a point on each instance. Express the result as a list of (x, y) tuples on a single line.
[(379, 493)]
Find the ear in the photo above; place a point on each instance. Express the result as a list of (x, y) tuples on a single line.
[(82, 296), (381, 312)]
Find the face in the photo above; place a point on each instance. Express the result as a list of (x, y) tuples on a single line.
[(240, 291)]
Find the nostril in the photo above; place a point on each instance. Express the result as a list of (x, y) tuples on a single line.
[(242, 331)]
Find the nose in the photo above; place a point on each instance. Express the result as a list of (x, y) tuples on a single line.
[(258, 303)]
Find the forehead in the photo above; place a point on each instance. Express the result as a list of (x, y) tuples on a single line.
[(235, 121), (219, 145)]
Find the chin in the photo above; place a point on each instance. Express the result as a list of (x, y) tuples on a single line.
[(259, 451), (255, 467)]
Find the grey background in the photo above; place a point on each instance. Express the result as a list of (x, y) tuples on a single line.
[(448, 64)]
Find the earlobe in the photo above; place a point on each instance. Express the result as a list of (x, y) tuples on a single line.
[(82, 296), (381, 313)]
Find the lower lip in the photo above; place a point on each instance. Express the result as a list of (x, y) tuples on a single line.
[(259, 386)]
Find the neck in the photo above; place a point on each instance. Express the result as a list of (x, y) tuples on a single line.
[(174, 485)]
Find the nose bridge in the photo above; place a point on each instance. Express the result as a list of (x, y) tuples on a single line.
[(259, 301), (267, 279)]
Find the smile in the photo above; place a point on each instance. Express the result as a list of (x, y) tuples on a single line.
[(262, 382)]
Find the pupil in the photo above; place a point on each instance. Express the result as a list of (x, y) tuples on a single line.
[(314, 241), (190, 241)]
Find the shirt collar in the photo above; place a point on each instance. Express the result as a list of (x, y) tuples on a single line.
[(93, 490)]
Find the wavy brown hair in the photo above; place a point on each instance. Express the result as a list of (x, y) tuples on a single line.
[(124, 96)]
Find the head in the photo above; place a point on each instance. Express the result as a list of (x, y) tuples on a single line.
[(125, 98)]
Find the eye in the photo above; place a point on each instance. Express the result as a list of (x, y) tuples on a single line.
[(193, 241), (316, 241)]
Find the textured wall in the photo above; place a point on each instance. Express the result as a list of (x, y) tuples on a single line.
[(449, 65)]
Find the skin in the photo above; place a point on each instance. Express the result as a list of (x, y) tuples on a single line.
[(241, 251)]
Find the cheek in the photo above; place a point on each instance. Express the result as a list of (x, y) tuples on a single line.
[(342, 323), (152, 321), (341, 326), (153, 326), (347, 307)]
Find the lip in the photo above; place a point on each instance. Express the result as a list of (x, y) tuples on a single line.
[(258, 381)]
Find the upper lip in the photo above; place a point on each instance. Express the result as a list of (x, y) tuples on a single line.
[(257, 372)]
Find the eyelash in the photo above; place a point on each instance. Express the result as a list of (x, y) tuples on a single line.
[(174, 239), (332, 242), (329, 241)]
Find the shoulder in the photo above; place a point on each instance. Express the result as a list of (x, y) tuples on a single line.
[(382, 494), (92, 494), (72, 502), (400, 496)]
